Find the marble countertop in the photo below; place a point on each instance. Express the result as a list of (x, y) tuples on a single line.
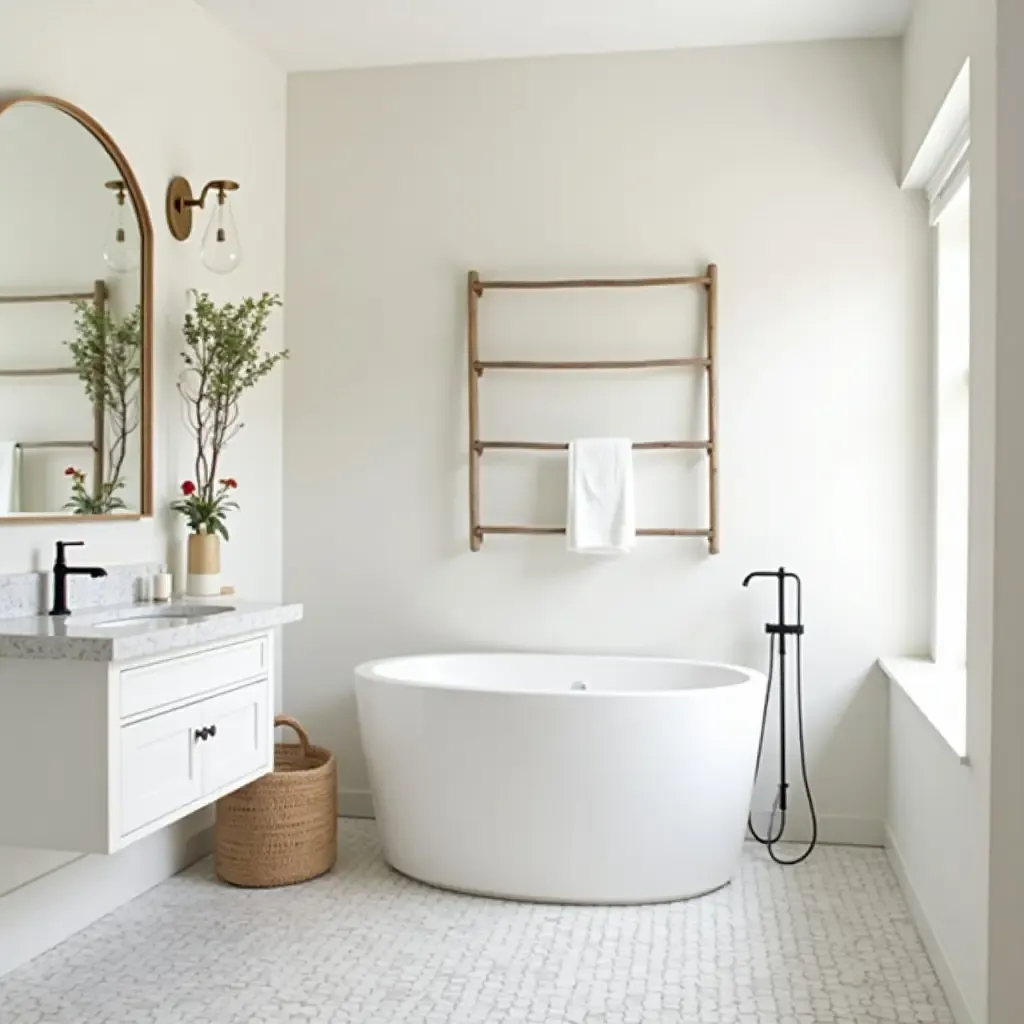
[(80, 637)]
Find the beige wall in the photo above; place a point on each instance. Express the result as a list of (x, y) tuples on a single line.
[(1006, 913), (785, 172), (180, 95)]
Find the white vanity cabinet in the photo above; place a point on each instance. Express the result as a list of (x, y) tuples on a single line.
[(95, 755)]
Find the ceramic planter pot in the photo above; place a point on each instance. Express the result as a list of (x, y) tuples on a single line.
[(203, 578)]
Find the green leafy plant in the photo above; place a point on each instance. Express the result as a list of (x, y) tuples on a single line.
[(223, 358), (107, 354), (83, 503), (207, 515)]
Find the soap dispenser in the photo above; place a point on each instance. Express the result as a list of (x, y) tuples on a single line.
[(162, 585)]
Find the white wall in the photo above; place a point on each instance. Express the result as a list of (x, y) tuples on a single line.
[(939, 809), (938, 842), (180, 95), (780, 163), (938, 40)]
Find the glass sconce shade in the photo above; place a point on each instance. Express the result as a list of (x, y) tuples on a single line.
[(222, 248), (122, 248)]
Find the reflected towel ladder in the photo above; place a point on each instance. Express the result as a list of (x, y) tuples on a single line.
[(98, 296)]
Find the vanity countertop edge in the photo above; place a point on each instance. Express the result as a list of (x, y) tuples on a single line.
[(47, 638)]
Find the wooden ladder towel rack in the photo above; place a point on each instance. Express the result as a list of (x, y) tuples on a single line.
[(477, 367)]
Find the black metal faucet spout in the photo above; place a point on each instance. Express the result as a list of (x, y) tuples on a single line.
[(61, 572)]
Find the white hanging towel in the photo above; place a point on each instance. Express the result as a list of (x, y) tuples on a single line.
[(602, 515), (9, 463)]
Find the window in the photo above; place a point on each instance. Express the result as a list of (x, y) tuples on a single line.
[(950, 202)]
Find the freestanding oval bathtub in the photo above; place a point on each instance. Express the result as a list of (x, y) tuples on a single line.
[(561, 778)]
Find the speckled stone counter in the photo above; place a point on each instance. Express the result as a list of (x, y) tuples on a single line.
[(80, 637), (28, 593)]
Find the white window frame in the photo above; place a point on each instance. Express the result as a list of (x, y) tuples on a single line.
[(952, 173)]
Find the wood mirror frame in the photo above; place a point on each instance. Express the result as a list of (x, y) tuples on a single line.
[(100, 134)]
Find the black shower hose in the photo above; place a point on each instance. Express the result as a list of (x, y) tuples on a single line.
[(772, 838)]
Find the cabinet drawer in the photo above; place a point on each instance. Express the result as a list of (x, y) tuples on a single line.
[(150, 687), (239, 737), (160, 770)]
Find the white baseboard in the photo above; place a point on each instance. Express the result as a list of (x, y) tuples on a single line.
[(833, 830), (41, 913), (355, 803), (932, 946)]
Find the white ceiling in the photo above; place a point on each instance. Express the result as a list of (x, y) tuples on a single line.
[(306, 35)]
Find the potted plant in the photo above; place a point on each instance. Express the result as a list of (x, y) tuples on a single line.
[(205, 518), (223, 359)]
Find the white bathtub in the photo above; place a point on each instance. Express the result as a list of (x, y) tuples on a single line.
[(491, 774)]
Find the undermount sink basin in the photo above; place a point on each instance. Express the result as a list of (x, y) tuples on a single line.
[(154, 618)]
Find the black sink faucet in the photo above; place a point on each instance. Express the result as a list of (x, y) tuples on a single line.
[(61, 572)]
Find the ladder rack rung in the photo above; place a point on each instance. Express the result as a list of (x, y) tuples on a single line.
[(55, 297), (38, 445), (53, 371), (593, 282), (560, 530), (561, 446), (673, 533), (604, 364)]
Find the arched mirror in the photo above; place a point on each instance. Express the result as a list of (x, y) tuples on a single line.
[(76, 256)]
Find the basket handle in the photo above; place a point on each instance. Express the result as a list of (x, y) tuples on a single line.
[(291, 723)]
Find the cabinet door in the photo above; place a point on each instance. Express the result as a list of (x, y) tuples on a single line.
[(238, 734), (160, 770)]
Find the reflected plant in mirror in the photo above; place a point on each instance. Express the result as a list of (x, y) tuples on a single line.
[(108, 356), (84, 503)]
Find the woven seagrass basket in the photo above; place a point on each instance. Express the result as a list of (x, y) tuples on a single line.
[(282, 828)]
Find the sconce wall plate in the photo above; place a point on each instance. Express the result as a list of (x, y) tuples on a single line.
[(180, 202)]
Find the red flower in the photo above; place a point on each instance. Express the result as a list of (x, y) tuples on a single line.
[(70, 471), (231, 482), (188, 488)]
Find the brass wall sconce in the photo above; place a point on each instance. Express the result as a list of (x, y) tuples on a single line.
[(222, 250), (121, 251)]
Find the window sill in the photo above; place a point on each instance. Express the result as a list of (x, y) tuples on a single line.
[(939, 693)]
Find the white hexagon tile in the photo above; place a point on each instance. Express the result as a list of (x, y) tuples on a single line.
[(829, 942)]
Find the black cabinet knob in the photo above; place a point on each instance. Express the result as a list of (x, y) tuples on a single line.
[(202, 734), (212, 731)]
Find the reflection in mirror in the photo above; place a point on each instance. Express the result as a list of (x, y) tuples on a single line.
[(71, 331)]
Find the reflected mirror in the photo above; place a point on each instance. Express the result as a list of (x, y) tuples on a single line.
[(75, 257)]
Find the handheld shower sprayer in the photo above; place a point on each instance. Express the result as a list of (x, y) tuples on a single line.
[(777, 632)]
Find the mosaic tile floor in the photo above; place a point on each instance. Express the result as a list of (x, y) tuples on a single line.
[(829, 942)]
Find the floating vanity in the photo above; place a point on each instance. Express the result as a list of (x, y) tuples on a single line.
[(119, 721)]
